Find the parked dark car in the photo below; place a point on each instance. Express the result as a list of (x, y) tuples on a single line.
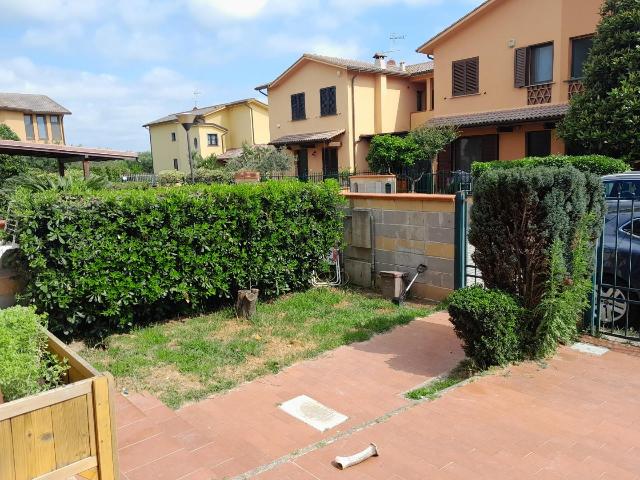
[(620, 288)]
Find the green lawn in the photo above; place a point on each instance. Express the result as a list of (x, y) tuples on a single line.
[(190, 359)]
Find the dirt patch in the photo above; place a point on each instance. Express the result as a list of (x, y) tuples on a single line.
[(343, 304), (160, 379), (231, 329)]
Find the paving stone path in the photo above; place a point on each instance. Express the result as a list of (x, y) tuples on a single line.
[(576, 417)]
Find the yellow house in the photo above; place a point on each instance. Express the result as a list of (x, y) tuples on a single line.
[(34, 118), (325, 109), (220, 130), (504, 74)]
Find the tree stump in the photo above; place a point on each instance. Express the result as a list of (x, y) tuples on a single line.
[(246, 303)]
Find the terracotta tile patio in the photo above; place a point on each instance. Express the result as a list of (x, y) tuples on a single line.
[(577, 417)]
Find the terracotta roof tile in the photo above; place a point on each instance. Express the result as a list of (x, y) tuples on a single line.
[(27, 102), (307, 138), (527, 114)]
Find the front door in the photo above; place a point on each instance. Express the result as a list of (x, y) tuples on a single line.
[(303, 164), (330, 162)]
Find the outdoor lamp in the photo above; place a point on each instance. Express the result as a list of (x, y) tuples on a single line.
[(187, 120)]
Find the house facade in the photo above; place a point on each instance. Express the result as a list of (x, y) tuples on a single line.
[(504, 74), (220, 130), (34, 118), (325, 110)]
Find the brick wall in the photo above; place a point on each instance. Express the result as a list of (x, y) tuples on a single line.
[(398, 232)]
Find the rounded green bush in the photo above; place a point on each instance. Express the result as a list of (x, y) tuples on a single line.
[(487, 321), (597, 164)]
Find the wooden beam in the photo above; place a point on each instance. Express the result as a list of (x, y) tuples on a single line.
[(86, 167)]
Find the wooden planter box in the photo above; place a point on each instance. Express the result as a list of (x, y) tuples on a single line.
[(63, 432)]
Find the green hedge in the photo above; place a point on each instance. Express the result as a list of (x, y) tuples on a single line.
[(26, 367), (106, 260), (487, 321), (598, 164)]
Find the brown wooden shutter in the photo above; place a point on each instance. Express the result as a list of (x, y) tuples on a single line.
[(520, 70), (471, 74), (459, 78)]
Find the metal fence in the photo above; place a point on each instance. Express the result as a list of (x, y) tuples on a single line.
[(616, 305), (615, 301)]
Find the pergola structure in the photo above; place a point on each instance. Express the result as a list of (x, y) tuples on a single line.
[(64, 153)]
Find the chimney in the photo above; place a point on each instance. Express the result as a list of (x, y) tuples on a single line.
[(403, 66), (391, 63), (380, 60)]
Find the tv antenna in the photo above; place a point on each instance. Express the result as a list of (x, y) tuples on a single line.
[(196, 94), (394, 38)]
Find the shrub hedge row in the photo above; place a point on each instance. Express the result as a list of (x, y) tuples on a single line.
[(100, 261), (598, 164)]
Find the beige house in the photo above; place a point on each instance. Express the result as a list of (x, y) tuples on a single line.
[(325, 110), (504, 74), (34, 118), (220, 130)]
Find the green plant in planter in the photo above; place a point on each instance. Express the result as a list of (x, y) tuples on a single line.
[(26, 367)]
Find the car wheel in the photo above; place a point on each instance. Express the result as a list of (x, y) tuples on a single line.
[(614, 305)]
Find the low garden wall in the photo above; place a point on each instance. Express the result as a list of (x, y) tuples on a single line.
[(398, 232)]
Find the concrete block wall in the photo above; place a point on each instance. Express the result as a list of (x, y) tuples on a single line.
[(405, 231)]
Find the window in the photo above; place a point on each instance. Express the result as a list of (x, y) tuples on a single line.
[(173, 136), (41, 120), (538, 144), (623, 189), (328, 101), (467, 150), (580, 48), (633, 228), (420, 103), (465, 76), (28, 127), (195, 142), (175, 164), (56, 128), (297, 107), (533, 65), (212, 139)]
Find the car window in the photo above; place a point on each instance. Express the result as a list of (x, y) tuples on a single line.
[(623, 188), (633, 228)]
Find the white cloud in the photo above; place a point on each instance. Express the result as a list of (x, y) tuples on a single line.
[(50, 10), (283, 43), (238, 9), (108, 111)]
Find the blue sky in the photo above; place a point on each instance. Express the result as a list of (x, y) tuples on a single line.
[(117, 64)]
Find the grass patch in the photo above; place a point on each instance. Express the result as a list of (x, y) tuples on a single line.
[(465, 370), (187, 360)]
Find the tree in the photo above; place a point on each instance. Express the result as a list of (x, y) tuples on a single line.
[(605, 119), (430, 141), (389, 153), (210, 162), (146, 162), (264, 159), (10, 165)]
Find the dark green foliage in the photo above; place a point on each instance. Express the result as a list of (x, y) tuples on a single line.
[(112, 259), (605, 119), (26, 367), (598, 164), (114, 170), (389, 153), (518, 213), (261, 158), (217, 175), (172, 177), (566, 297), (10, 165), (488, 322), (430, 141)]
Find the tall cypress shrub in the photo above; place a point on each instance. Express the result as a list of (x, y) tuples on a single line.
[(516, 216)]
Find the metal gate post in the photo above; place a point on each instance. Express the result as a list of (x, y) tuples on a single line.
[(460, 242)]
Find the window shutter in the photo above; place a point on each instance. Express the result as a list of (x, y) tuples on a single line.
[(459, 78), (294, 107), (328, 101), (298, 107), (471, 76), (520, 69)]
